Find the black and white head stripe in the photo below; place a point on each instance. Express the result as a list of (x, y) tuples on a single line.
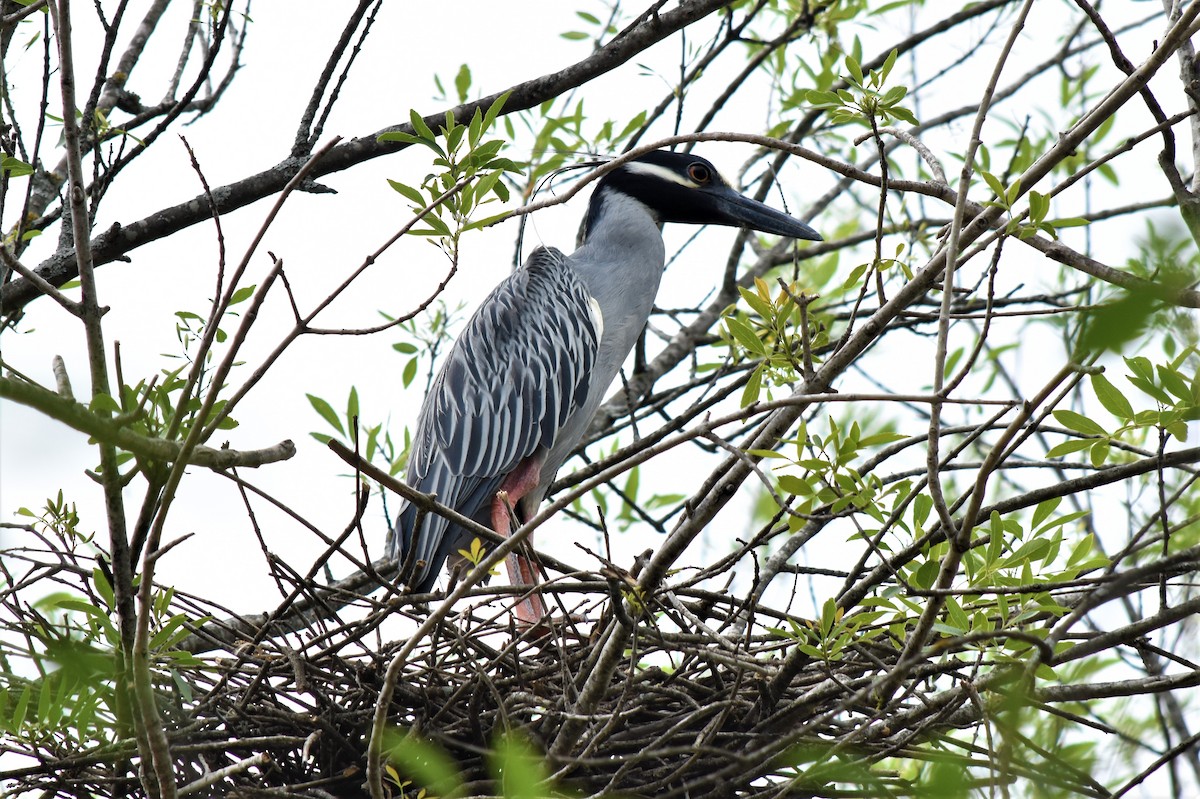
[(694, 174), (683, 187), (669, 184)]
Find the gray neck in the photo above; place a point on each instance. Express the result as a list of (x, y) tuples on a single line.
[(621, 262)]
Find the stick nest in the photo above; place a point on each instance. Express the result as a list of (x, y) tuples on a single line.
[(698, 705)]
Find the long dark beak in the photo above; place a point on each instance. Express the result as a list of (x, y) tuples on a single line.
[(739, 211)]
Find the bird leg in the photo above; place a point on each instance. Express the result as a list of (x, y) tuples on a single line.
[(525, 478)]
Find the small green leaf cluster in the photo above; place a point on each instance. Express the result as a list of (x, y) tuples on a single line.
[(461, 154), (191, 326), (1006, 563), (58, 517), (63, 682), (559, 136), (155, 408), (632, 496), (422, 339), (373, 442), (865, 102), (1175, 392), (772, 336), (827, 482), (826, 638), (425, 338), (1026, 226), (825, 769), (878, 265)]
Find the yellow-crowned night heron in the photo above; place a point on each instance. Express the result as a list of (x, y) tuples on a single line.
[(533, 364)]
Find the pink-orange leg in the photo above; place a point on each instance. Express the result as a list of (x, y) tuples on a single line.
[(529, 611)]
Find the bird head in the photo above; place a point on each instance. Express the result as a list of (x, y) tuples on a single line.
[(681, 187)]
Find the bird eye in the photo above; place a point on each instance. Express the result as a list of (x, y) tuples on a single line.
[(699, 173)]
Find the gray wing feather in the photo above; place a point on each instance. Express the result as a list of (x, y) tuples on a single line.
[(514, 377)]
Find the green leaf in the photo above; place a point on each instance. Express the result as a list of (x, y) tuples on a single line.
[(487, 183), (888, 64), (894, 95), (436, 227), (1148, 387), (397, 135), (1111, 397), (1039, 205), (855, 275), (922, 505), (491, 220), (241, 295), (574, 36), (410, 372), (15, 167), (454, 133), (1112, 325), (760, 306), (494, 110), (855, 69), (103, 587), (1012, 193), (745, 336), (1172, 381), (1070, 221), (1044, 509), (820, 99), (81, 606), (164, 637), (904, 115), (955, 615), (1029, 551), (881, 438), (103, 402), (1141, 366), (993, 183), (326, 412), (1079, 423), (797, 486), (21, 710), (753, 387), (462, 82), (409, 192), (1069, 446), (418, 124), (925, 574)]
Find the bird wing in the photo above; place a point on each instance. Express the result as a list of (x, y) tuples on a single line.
[(514, 377)]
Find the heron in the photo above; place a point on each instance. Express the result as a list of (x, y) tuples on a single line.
[(520, 385)]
